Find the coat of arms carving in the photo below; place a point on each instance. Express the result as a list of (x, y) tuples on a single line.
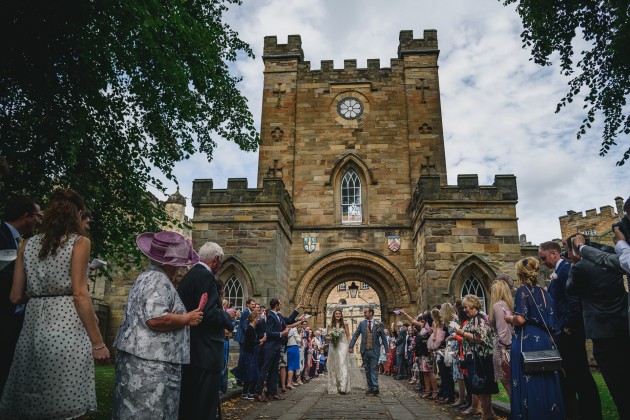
[(310, 243), (393, 243)]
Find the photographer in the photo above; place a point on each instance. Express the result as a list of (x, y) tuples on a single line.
[(605, 310)]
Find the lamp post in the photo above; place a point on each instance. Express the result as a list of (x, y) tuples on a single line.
[(354, 290)]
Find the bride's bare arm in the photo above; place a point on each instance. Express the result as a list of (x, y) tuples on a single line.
[(347, 332)]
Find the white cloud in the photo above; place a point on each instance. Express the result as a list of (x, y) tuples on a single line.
[(498, 106)]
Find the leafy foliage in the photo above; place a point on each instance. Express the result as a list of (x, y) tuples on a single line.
[(105, 96), (603, 70)]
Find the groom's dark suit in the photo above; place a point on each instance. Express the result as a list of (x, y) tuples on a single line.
[(370, 356), (202, 378)]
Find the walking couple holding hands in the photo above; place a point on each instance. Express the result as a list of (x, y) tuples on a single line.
[(339, 361)]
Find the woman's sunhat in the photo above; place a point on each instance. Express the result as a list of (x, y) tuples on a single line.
[(168, 248)]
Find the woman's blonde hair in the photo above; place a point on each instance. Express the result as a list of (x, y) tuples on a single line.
[(225, 303), (472, 301), (447, 312), (527, 271), (500, 291), (252, 316)]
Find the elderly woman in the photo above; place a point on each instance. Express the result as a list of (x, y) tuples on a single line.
[(153, 340), (478, 342), (534, 395)]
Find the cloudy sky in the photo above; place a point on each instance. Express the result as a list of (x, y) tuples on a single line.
[(498, 107)]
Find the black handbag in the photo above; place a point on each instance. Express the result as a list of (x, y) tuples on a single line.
[(479, 377), (538, 361)]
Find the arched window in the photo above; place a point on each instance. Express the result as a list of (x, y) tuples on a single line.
[(472, 286), (351, 211), (233, 291)]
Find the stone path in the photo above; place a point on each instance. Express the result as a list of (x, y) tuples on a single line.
[(397, 400)]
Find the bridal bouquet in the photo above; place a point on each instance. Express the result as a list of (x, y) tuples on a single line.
[(334, 336)]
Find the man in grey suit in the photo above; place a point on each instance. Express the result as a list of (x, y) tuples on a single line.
[(372, 336)]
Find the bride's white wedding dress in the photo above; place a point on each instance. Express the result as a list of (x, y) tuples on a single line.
[(342, 369)]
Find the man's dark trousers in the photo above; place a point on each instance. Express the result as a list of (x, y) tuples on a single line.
[(197, 381), (270, 371), (578, 379)]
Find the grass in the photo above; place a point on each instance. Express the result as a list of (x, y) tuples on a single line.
[(609, 410), (105, 381)]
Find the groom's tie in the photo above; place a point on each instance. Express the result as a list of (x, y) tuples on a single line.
[(370, 326)]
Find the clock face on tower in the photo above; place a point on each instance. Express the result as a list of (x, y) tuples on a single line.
[(350, 108)]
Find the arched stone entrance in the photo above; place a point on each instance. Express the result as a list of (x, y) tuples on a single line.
[(348, 265)]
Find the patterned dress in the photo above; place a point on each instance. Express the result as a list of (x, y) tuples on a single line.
[(52, 375), (534, 396), (148, 362), (479, 355)]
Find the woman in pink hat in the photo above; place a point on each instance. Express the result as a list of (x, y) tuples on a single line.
[(153, 340)]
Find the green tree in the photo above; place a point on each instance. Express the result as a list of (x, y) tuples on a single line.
[(602, 69), (105, 96)]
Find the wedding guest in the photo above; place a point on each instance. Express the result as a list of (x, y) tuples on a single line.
[(52, 375), (447, 386), (401, 348), (293, 355), (247, 369), (502, 305), (21, 215), (202, 378), (455, 343), (382, 360), (533, 395), (391, 353), (153, 339), (477, 335)]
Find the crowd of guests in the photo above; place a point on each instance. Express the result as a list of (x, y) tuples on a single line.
[(171, 345), (463, 347)]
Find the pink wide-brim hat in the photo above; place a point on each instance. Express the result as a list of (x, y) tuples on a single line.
[(169, 248)]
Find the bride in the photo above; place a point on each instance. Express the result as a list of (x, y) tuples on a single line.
[(338, 356)]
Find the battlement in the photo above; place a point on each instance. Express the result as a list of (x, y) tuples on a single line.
[(467, 189), (292, 49), (408, 45), (273, 192), (605, 212)]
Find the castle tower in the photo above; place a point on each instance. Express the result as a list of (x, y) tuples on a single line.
[(352, 188)]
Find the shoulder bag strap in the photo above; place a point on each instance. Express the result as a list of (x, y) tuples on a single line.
[(541, 316)]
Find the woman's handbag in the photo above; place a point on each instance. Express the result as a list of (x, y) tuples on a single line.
[(505, 361), (541, 360)]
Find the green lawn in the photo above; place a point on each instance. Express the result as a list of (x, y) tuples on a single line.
[(609, 410), (105, 377)]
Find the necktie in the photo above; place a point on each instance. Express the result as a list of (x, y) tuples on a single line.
[(370, 326)]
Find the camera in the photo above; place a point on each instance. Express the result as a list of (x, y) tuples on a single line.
[(624, 227)]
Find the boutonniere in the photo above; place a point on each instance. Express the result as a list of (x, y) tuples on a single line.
[(379, 327), (553, 276)]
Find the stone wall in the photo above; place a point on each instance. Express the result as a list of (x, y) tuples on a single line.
[(593, 224), (462, 230)]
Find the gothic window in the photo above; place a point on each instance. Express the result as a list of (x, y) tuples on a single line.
[(351, 198), (364, 286), (472, 286), (341, 287), (233, 291)]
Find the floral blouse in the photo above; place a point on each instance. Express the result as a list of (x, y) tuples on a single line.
[(479, 326), (152, 296)]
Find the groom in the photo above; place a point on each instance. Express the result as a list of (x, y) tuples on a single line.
[(372, 336)]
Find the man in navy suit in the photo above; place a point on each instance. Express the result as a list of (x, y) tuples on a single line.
[(571, 339), (21, 215), (372, 337), (201, 379), (275, 330), (239, 336)]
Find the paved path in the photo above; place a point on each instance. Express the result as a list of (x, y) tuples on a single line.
[(311, 401)]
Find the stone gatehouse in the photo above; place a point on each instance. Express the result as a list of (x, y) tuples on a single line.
[(352, 186)]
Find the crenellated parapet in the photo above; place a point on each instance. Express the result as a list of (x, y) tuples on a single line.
[(292, 49), (426, 45), (467, 189), (237, 193)]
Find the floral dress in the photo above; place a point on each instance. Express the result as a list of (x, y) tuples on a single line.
[(534, 395), (479, 355)]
